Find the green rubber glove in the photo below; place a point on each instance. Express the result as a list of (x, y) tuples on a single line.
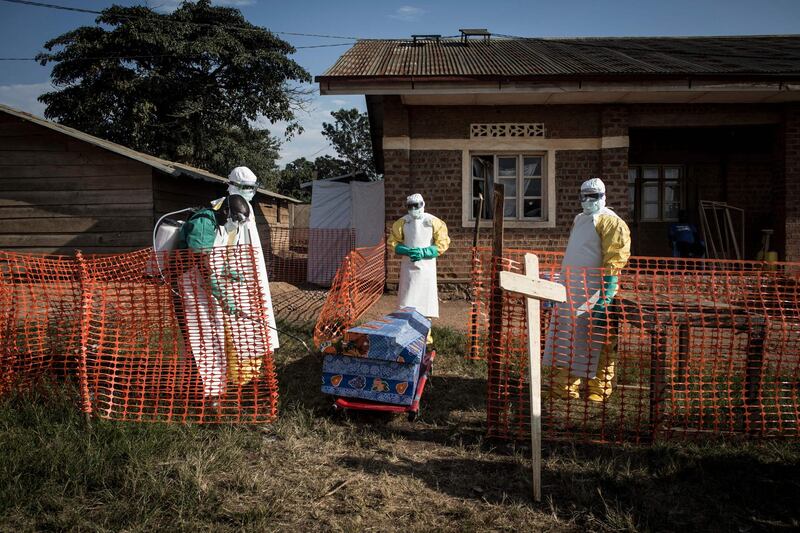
[(228, 303), (415, 254), (216, 288), (402, 249), (609, 289), (430, 252), (232, 274)]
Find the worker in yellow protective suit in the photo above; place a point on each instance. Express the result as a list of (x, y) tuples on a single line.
[(420, 238), (582, 337)]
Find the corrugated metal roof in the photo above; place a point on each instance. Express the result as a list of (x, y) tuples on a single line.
[(168, 167), (530, 58)]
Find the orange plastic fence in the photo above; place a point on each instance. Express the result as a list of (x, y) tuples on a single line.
[(188, 343), (357, 286), (703, 347)]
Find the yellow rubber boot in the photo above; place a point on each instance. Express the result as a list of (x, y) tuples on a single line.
[(600, 387), (564, 385)]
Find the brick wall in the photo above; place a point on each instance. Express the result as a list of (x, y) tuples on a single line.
[(453, 122), (748, 180), (791, 184), (437, 175)]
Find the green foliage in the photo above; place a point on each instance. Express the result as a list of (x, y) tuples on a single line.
[(350, 136), (293, 175), (184, 86)]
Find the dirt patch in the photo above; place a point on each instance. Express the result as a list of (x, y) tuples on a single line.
[(297, 304), (301, 304), (453, 314)]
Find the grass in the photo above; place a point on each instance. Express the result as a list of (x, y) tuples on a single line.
[(316, 471)]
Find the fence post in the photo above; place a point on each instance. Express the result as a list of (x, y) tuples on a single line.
[(495, 313), (473, 348), (86, 310)]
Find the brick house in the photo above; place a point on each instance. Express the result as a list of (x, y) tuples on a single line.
[(666, 122)]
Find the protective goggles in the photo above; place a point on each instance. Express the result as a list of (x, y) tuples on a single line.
[(414, 205), (591, 196), (244, 186)]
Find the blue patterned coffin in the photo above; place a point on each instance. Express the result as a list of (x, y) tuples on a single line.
[(398, 337), (369, 379)]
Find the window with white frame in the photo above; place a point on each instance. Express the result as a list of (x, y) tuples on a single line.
[(655, 192), (523, 180)]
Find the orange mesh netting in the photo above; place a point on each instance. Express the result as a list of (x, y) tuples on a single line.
[(357, 286), (190, 343), (689, 347), (301, 264), (40, 305), (306, 255)]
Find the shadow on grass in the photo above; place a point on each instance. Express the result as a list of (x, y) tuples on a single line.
[(664, 488)]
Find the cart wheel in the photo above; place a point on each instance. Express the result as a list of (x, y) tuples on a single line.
[(412, 415)]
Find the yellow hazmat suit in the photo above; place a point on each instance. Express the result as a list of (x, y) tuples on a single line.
[(581, 340), (420, 238)]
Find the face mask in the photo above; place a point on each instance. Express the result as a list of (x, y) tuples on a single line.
[(590, 207), (231, 226), (416, 213), (246, 192)]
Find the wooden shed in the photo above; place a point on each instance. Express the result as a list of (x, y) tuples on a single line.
[(63, 190)]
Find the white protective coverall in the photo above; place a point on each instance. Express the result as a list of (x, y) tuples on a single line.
[(576, 344), (228, 347), (417, 285), (244, 183)]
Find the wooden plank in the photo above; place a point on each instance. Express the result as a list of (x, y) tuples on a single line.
[(188, 197), (117, 239), (129, 196), (62, 211), (533, 288), (495, 309), (69, 250), (38, 170), (535, 372), (17, 127), (76, 224), (138, 181), (86, 157), (46, 143), (169, 184)]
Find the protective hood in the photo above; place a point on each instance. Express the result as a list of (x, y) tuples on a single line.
[(243, 182)]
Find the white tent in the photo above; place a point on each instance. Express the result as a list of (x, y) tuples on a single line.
[(335, 207)]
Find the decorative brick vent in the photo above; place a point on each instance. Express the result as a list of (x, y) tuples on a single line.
[(532, 129)]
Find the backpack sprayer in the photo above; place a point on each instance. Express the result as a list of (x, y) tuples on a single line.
[(166, 234)]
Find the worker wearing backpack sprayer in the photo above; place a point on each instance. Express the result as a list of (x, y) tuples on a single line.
[(420, 238), (227, 339), (243, 182), (582, 337)]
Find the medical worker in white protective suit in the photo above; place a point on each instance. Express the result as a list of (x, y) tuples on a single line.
[(229, 326), (420, 238), (582, 337), (243, 182)]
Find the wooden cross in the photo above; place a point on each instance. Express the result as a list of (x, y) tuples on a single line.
[(535, 289)]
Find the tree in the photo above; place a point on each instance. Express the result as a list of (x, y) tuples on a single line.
[(350, 136), (328, 166), (293, 175), (185, 86)]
